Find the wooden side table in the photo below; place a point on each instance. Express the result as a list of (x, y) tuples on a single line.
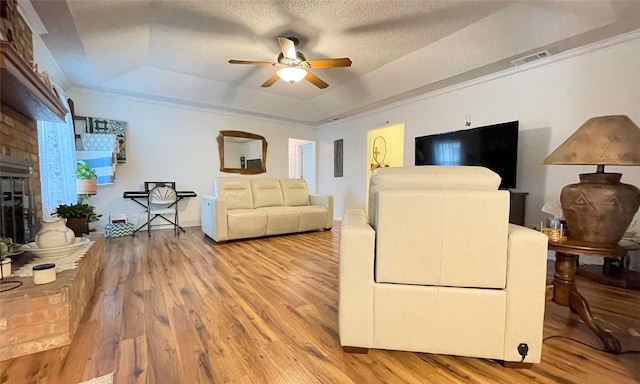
[(566, 293), (615, 270)]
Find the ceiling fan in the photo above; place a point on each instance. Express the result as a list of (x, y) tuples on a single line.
[(294, 66)]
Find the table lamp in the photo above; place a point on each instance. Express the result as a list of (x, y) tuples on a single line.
[(599, 208)]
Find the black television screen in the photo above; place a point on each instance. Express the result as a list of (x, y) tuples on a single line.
[(254, 164), (493, 146)]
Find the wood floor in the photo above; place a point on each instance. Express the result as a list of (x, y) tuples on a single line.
[(183, 309)]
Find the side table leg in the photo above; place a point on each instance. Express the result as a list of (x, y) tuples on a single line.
[(566, 293), (579, 305), (564, 278)]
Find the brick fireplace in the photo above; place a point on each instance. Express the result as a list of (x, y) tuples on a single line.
[(34, 317), (27, 97), (19, 175)]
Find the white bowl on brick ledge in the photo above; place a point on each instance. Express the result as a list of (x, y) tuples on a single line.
[(47, 253)]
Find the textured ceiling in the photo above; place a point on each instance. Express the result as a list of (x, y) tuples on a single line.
[(178, 50)]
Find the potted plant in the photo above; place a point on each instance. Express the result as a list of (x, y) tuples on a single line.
[(78, 216), (7, 248), (86, 179)]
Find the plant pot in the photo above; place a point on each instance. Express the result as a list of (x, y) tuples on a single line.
[(6, 268), (78, 225), (86, 187)]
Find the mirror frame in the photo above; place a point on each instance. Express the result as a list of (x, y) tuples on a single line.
[(246, 135)]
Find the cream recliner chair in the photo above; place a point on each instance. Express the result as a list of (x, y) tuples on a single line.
[(435, 267)]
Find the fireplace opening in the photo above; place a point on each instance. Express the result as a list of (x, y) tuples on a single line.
[(17, 217)]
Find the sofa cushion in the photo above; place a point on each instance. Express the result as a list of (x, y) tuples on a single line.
[(244, 223), (236, 192), (266, 192), (295, 192), (312, 217), (282, 220), (442, 320), (428, 177), (447, 238)]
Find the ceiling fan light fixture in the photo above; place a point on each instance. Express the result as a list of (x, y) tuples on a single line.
[(292, 74), (293, 66)]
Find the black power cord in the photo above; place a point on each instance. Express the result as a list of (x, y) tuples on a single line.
[(523, 349), (629, 352), (17, 284)]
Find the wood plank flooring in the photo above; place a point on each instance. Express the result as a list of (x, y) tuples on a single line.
[(183, 309)]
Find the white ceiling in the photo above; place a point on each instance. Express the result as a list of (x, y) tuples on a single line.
[(178, 50)]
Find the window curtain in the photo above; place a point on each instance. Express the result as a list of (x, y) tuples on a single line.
[(57, 147)]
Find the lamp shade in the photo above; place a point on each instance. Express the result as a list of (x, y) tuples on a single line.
[(603, 140), (292, 74)]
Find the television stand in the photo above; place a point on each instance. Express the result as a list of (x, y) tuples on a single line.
[(517, 204)]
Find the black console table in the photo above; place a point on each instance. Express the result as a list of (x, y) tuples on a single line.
[(517, 204)]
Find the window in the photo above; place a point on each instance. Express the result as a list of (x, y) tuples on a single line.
[(57, 151)]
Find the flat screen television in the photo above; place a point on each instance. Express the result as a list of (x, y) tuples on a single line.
[(493, 146), (254, 164)]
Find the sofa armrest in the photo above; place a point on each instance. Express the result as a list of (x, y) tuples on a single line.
[(526, 285), (214, 218), (355, 309), (324, 201)]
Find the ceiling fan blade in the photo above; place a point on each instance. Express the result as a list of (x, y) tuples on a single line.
[(330, 63), (315, 80), (288, 48), (271, 81), (266, 63)]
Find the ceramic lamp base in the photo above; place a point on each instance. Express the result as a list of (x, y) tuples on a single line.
[(599, 209)]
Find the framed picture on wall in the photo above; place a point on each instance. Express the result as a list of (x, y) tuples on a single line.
[(337, 158), (116, 127)]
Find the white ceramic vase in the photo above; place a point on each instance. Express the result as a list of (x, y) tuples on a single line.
[(6, 268), (54, 233)]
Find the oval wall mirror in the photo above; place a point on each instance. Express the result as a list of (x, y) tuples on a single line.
[(242, 152)]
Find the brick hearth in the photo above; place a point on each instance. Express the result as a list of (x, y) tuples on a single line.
[(35, 318)]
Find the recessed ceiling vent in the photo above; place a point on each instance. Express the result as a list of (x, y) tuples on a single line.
[(530, 58), (334, 118)]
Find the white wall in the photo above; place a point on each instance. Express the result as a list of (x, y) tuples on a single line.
[(172, 143), (551, 100)]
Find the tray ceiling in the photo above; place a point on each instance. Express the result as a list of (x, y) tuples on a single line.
[(178, 51)]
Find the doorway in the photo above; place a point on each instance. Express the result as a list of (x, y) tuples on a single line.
[(385, 148), (302, 162)]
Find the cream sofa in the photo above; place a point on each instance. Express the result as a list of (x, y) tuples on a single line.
[(244, 207), (435, 267)]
